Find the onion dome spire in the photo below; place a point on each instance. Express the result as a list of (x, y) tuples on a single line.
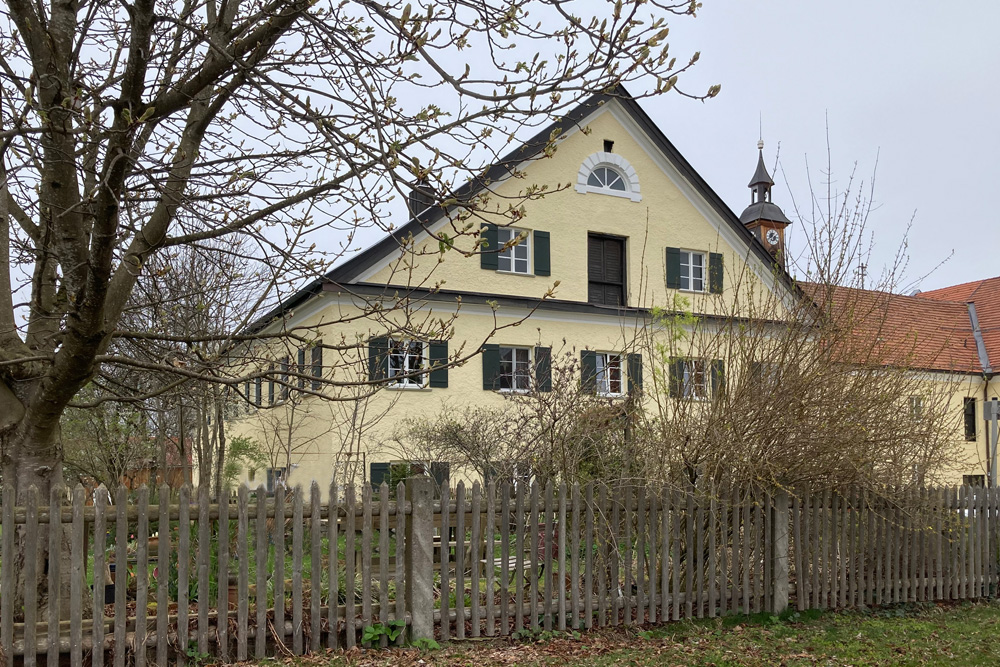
[(761, 207)]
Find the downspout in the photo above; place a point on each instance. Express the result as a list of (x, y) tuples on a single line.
[(990, 456), (984, 362)]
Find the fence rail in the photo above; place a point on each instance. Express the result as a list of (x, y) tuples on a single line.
[(262, 577)]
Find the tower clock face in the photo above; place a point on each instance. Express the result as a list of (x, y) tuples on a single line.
[(772, 236)]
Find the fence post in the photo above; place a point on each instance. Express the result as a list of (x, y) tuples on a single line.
[(419, 555), (779, 553)]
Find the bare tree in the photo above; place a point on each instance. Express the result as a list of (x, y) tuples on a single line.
[(563, 431), (822, 384), (291, 430), (133, 130), (355, 425), (107, 445)]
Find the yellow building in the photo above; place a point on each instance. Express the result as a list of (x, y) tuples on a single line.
[(614, 223), (972, 310)]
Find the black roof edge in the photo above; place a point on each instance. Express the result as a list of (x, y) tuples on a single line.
[(298, 298), (527, 150)]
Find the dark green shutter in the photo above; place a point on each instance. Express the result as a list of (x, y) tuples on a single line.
[(543, 265), (300, 369), (270, 385), (674, 268), (258, 392), (676, 378), (543, 368), (718, 377), (274, 476), (715, 272), (970, 419), (378, 359), (488, 252), (439, 363), (441, 472), (379, 472), (317, 364), (634, 373), (491, 366), (588, 371)]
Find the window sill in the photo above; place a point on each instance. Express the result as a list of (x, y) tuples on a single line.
[(513, 391), (406, 387), (590, 189), (515, 273), (602, 394)]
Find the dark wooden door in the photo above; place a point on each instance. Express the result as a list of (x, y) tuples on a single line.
[(606, 270)]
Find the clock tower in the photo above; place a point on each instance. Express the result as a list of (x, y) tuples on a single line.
[(762, 217)]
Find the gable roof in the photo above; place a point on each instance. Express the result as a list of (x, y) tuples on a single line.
[(908, 331), (349, 271)]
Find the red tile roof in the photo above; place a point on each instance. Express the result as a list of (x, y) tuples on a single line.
[(912, 331), (985, 294)]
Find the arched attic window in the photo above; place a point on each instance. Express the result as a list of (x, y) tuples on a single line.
[(608, 174)]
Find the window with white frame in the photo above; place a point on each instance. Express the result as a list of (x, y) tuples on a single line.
[(609, 374), (607, 178), (406, 363), (916, 407), (693, 267), (515, 369), (696, 378), (513, 258), (608, 173)]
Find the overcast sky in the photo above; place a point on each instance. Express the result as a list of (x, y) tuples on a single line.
[(911, 83)]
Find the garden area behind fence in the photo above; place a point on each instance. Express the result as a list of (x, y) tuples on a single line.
[(259, 575)]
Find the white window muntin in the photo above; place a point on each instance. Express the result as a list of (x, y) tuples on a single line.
[(695, 383), (610, 380), (515, 369), (607, 178), (407, 363), (514, 258), (693, 270)]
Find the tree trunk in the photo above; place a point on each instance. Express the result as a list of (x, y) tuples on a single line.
[(205, 448), (220, 459), (161, 450), (31, 469), (185, 455)]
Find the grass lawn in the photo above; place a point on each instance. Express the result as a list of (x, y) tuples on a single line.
[(961, 634)]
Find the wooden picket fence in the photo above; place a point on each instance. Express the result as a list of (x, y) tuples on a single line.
[(255, 577)]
